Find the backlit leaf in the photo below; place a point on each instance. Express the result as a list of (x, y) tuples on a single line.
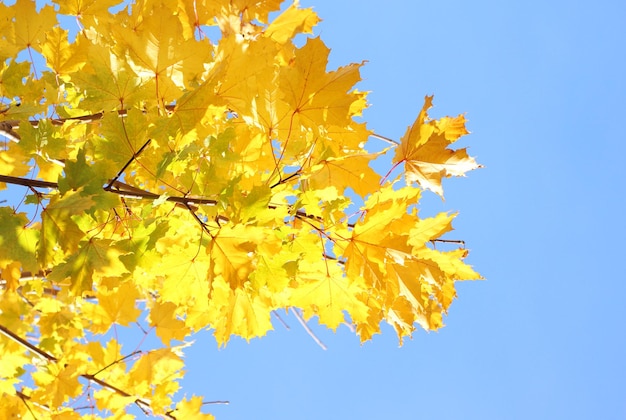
[(424, 151)]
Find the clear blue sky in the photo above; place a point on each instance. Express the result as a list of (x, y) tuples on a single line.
[(543, 84)]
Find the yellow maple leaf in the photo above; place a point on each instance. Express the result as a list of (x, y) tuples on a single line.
[(156, 367), (232, 252), (57, 382), (190, 409), (168, 326), (352, 171), (60, 55), (423, 150), (117, 306), (33, 24), (328, 296), (240, 311), (314, 98), (293, 20)]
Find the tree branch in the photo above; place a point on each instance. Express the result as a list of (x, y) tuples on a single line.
[(117, 187), (143, 404)]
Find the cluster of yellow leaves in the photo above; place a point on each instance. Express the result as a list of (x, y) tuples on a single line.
[(196, 184)]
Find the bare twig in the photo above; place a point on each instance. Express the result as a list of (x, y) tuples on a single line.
[(307, 329), (448, 241), (350, 327), (385, 139), (282, 321)]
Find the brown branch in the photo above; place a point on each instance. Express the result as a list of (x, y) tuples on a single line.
[(448, 241), (25, 397), (117, 187), (132, 158), (19, 340), (26, 182), (140, 402), (13, 124)]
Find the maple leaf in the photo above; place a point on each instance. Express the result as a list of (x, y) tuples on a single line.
[(292, 21), (328, 296), (190, 409), (351, 171), (17, 243), (106, 82), (34, 24), (157, 50), (61, 56), (57, 383), (312, 97), (423, 150), (115, 306), (239, 312), (95, 259), (168, 326)]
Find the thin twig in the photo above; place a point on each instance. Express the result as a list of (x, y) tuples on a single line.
[(132, 158), (447, 241), (282, 321), (307, 329), (350, 327), (385, 139), (117, 361)]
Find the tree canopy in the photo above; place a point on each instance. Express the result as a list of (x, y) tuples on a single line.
[(183, 165)]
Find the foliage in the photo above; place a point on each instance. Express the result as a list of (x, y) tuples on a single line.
[(190, 184)]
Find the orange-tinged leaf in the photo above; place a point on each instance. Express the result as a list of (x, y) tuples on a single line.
[(232, 252), (168, 326), (425, 153)]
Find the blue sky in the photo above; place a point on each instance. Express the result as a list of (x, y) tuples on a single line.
[(543, 85)]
